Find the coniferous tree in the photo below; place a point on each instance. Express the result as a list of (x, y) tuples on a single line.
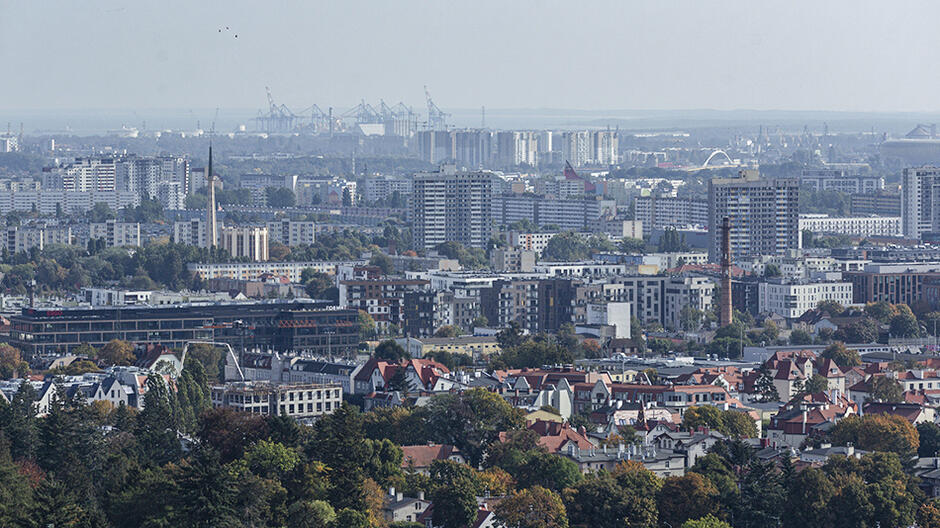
[(156, 428)]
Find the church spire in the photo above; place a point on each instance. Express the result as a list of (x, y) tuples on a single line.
[(211, 231)]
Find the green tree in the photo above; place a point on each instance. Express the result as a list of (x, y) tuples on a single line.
[(207, 492), (566, 246), (471, 420), (55, 505), (624, 497), (390, 351), (764, 385), (447, 331), (454, 494), (383, 262), (280, 197), (339, 443), (547, 470), (156, 427), (763, 494), (929, 435), (886, 389), (671, 242), (814, 384), (905, 325), (21, 423), (535, 507), (882, 311), (831, 307), (843, 357), (772, 270), (808, 498), (310, 514), (800, 337), (16, 495), (367, 327)]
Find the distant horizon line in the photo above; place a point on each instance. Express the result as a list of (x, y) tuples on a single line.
[(489, 110)]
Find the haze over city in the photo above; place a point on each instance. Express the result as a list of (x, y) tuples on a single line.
[(604, 55), (490, 264)]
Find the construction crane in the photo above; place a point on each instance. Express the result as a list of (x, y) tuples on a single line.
[(214, 119), (437, 119), (279, 118)]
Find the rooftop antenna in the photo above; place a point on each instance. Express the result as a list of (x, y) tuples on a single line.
[(483, 117)]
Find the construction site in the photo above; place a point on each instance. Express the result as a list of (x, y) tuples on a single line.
[(365, 119)]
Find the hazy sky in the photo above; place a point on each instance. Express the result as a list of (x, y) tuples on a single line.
[(577, 54)]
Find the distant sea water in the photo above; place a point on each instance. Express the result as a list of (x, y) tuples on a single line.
[(98, 122)]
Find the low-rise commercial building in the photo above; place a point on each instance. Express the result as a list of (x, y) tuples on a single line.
[(299, 401)]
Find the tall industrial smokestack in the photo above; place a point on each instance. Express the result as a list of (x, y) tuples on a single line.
[(210, 204), (725, 316)]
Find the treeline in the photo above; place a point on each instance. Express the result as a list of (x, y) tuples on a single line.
[(90, 466)]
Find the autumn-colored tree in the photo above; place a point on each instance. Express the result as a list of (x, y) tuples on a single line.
[(688, 497), (842, 355), (877, 432), (535, 507), (117, 352), (497, 481), (928, 515), (11, 363), (709, 521)]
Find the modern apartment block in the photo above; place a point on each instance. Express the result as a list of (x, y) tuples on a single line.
[(793, 299), (894, 283), (452, 206), (764, 214), (292, 233), (920, 201), (245, 242)]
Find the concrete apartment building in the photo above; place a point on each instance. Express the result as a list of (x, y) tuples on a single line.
[(920, 201), (866, 226), (192, 232), (292, 233), (764, 214), (19, 239), (245, 242), (661, 212), (116, 234), (846, 180), (452, 206)]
